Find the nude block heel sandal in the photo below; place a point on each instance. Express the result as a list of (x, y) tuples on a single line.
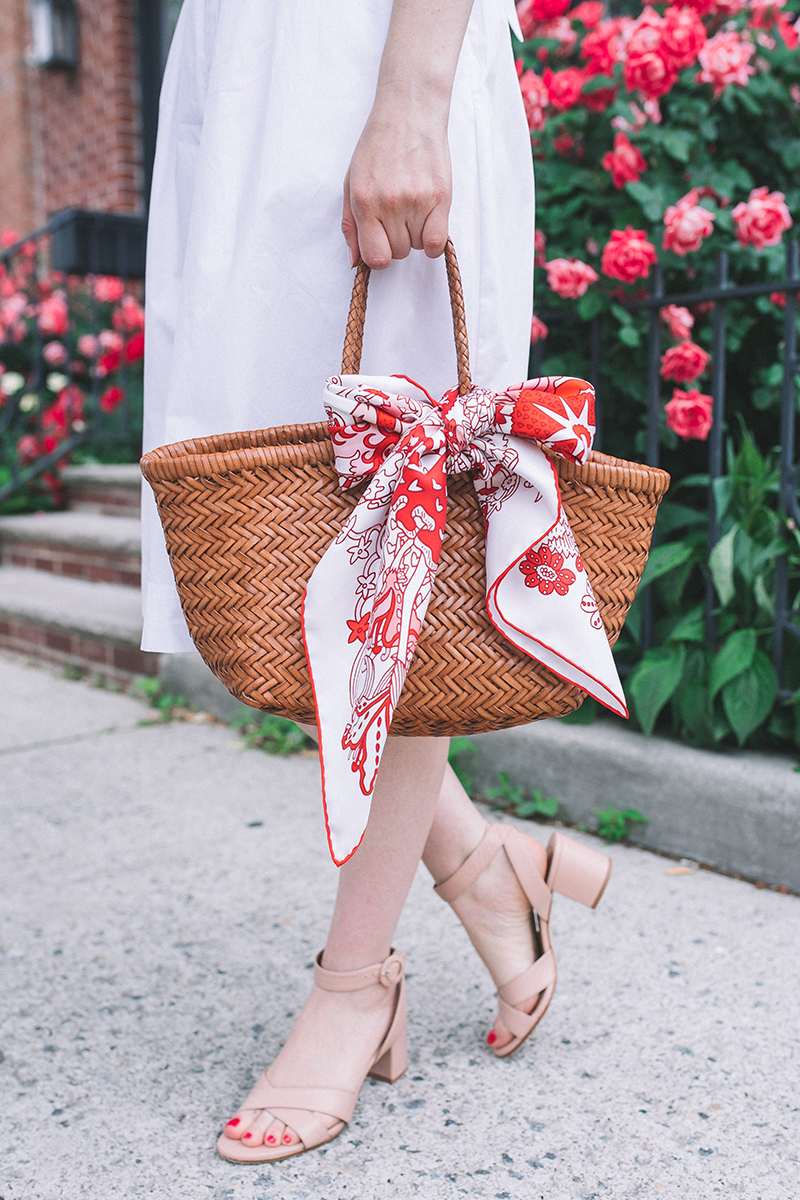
[(574, 870), (318, 1115)]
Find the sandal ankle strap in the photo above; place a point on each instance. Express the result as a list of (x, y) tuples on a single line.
[(388, 973)]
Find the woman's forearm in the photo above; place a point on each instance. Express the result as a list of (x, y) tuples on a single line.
[(398, 189)]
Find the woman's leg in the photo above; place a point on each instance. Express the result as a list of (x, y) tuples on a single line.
[(336, 1034), (494, 910)]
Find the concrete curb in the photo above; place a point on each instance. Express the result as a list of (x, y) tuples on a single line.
[(738, 811)]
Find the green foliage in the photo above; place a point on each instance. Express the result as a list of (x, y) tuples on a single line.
[(612, 823), (274, 735), (512, 798), (459, 747), (165, 703)]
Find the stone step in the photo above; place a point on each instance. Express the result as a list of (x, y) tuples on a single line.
[(115, 489), (81, 545), (92, 626)]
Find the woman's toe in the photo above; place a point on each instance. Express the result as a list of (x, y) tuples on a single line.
[(238, 1126), (254, 1136), (289, 1138), (498, 1036), (274, 1133)]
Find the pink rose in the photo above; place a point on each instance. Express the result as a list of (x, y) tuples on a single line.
[(55, 353), (538, 330), (649, 66), (87, 345), (724, 60), (684, 35), (540, 246), (108, 289), (53, 315), (624, 162), (9, 237), (110, 340), (534, 96), (627, 255), (129, 316), (560, 29), (679, 320), (684, 362), (569, 277), (589, 13), (689, 414), (762, 220), (687, 223), (564, 87)]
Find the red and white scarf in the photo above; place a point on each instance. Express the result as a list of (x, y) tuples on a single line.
[(366, 601)]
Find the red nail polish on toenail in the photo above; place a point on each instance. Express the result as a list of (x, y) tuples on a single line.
[(491, 1037), (233, 1121), (247, 1135), (286, 1137), (271, 1139)]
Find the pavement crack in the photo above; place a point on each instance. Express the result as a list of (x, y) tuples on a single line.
[(65, 741)]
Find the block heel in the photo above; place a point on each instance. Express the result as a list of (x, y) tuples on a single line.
[(577, 871)]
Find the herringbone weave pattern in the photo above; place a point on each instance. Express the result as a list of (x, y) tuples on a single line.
[(247, 516)]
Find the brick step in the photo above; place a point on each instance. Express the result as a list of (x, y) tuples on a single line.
[(81, 545), (115, 490), (93, 626)]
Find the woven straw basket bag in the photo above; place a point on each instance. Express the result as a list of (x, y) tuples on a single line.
[(247, 516)]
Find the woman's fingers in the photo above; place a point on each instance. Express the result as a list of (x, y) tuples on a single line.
[(435, 230), (349, 228)]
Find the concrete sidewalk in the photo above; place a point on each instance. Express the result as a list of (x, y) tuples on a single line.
[(163, 895)]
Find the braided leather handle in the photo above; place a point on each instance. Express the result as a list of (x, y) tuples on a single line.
[(354, 334)]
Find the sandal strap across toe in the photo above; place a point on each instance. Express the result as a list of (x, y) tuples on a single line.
[(317, 1114)]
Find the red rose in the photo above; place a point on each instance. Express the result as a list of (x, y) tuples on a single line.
[(589, 13), (689, 414), (601, 48), (111, 398), (680, 320), (625, 162), (538, 330), (53, 316), (27, 447), (684, 362), (649, 65), (684, 35), (627, 255), (687, 223), (762, 220), (569, 277), (540, 245), (531, 12), (599, 99), (135, 348), (564, 87), (108, 362)]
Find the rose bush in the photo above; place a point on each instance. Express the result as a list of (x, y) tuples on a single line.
[(683, 140), (59, 379)]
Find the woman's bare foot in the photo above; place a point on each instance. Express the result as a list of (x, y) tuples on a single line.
[(497, 916), (331, 1044)]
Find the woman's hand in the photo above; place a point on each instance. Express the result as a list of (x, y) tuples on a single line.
[(398, 188)]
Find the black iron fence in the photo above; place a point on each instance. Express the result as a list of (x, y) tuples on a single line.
[(787, 618)]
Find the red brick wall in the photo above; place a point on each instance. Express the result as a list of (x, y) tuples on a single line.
[(70, 138), (16, 168)]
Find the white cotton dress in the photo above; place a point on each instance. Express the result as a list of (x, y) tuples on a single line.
[(248, 275)]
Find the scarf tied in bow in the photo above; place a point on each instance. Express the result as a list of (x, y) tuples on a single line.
[(366, 600)]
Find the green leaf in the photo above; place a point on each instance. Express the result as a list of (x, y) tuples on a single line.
[(654, 681), (589, 305), (720, 564), (585, 715), (748, 698), (735, 656), (678, 516), (678, 143), (629, 336), (664, 559), (650, 199), (691, 627)]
